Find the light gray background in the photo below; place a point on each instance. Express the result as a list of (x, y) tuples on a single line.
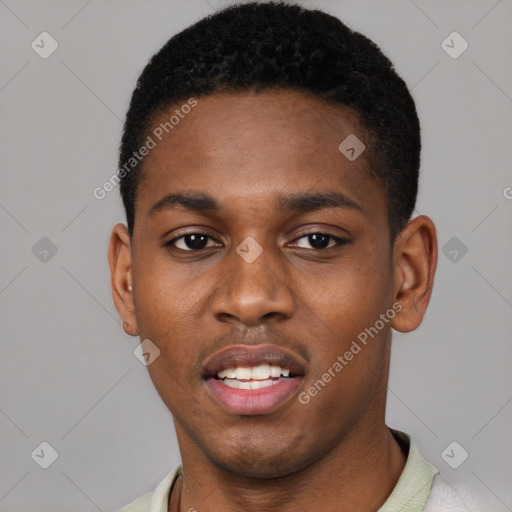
[(68, 375)]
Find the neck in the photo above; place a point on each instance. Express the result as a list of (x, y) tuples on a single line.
[(358, 474)]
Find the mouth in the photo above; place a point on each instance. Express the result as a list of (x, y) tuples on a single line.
[(249, 380)]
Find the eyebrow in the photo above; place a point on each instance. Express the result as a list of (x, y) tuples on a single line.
[(201, 202)]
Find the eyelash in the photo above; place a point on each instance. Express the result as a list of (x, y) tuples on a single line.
[(339, 241)]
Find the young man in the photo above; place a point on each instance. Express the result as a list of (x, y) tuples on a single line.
[(269, 169)]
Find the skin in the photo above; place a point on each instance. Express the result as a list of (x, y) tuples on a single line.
[(336, 452)]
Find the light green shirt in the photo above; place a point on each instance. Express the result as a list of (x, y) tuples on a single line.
[(411, 493)]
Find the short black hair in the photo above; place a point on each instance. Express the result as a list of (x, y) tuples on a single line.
[(276, 45)]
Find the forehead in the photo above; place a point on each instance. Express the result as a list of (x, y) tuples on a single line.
[(251, 147)]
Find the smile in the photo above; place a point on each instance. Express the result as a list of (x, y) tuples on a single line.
[(252, 396), (250, 380)]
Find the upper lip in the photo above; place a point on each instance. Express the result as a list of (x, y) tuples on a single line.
[(253, 355)]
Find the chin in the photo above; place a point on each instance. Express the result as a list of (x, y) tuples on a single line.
[(257, 468), (259, 460)]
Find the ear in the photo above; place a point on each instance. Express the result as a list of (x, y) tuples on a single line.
[(414, 262), (120, 262)]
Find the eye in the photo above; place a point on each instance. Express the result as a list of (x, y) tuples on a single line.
[(190, 241), (320, 241)]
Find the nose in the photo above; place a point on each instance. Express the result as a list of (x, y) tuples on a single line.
[(253, 292)]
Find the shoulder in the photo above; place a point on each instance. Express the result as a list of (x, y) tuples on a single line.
[(140, 504), (157, 500), (445, 497)]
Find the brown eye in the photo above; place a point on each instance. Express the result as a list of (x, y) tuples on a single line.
[(320, 241), (190, 241)]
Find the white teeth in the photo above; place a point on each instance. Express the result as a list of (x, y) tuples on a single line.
[(275, 371), (243, 373), (232, 383), (259, 373), (253, 384), (230, 373)]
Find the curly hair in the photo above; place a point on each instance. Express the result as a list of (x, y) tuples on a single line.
[(262, 46)]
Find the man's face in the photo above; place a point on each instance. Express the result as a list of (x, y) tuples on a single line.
[(308, 296)]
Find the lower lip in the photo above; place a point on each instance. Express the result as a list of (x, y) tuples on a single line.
[(253, 401)]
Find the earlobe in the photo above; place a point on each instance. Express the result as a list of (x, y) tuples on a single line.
[(415, 261), (119, 258), (128, 330)]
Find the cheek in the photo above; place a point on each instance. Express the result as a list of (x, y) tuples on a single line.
[(164, 294), (353, 297), (342, 324), (163, 311), (347, 369)]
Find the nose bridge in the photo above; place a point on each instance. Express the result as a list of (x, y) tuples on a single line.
[(253, 264), (255, 284)]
